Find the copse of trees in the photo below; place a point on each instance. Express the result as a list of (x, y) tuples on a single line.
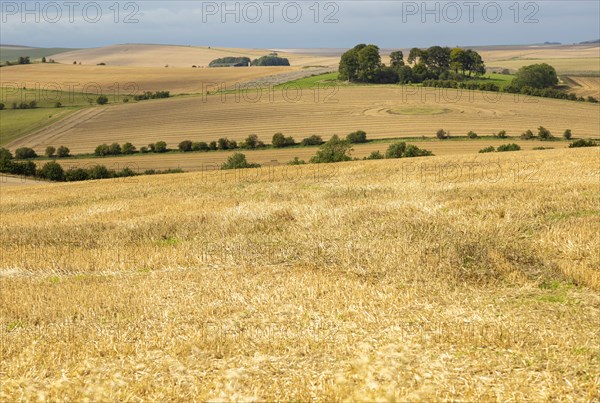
[(252, 142), (270, 60), (363, 64), (152, 95), (401, 150), (230, 61), (25, 153)]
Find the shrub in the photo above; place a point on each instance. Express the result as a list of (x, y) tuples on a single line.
[(252, 142), (583, 143), (544, 134), (357, 137), (296, 161), (32, 105), (201, 146), (568, 134), (52, 171), (101, 150), (25, 168), (501, 134), (527, 135), (335, 150), (151, 147), (24, 153), (312, 141), (114, 149), (160, 147), (238, 161), (49, 151), (76, 175), (212, 145), (58, 105), (489, 149), (144, 150), (125, 100), (185, 146), (509, 147), (99, 172), (472, 135), (375, 155), (592, 99), (414, 151), (102, 100), (226, 144), (279, 141), (128, 148), (442, 134), (1, 106), (396, 150)]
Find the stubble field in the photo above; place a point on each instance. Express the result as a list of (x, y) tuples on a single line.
[(383, 112), (388, 280)]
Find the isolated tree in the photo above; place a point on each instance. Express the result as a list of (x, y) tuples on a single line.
[(472, 135), (63, 152), (50, 151), (536, 76), (44, 59), (568, 134)]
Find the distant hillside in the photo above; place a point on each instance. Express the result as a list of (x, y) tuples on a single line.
[(11, 52), (590, 42)]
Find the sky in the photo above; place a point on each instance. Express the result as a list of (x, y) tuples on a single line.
[(297, 24)]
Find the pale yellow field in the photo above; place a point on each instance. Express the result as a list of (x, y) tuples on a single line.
[(383, 112), (208, 161), (131, 80), (584, 86), (362, 281), (178, 56), (567, 59)]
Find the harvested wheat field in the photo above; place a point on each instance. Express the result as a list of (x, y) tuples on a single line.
[(566, 59), (383, 112), (207, 161), (379, 280), (148, 55), (111, 80), (584, 86)]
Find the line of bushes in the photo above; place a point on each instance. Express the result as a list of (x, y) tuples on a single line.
[(511, 89), (53, 171), (152, 95)]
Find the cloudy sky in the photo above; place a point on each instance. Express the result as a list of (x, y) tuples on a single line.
[(299, 24)]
